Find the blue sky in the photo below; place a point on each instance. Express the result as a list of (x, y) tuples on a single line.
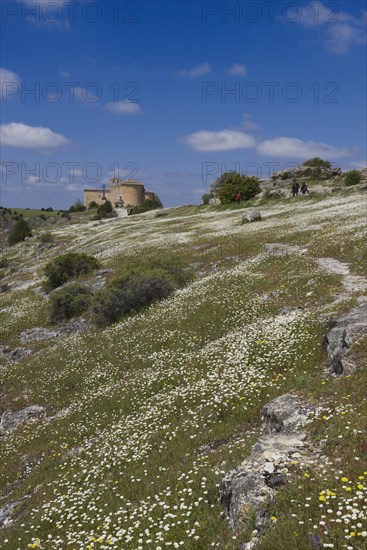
[(174, 93)]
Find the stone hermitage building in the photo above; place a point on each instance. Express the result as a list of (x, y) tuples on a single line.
[(120, 193)]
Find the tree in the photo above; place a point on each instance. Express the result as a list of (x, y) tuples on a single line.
[(148, 204), (20, 231), (217, 184), (78, 206), (105, 210), (316, 162), (247, 186)]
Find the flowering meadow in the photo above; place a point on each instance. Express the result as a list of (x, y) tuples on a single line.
[(145, 417)]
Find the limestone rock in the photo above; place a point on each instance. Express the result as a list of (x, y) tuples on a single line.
[(344, 332), (15, 354), (277, 193), (243, 493), (36, 334), (247, 491), (75, 326), (7, 512), (163, 212), (251, 215), (285, 414), (11, 420), (214, 201)]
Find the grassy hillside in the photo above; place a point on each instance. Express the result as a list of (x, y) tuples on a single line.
[(145, 417)]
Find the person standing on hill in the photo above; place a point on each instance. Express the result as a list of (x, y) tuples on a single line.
[(295, 188), (238, 198), (304, 189)]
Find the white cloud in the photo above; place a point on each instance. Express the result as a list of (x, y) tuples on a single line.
[(31, 137), (75, 187), (341, 29), (9, 83), (248, 123), (198, 70), (224, 140), (298, 149), (33, 179), (237, 70), (123, 108)]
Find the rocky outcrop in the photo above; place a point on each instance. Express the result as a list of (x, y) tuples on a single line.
[(37, 334), (344, 331), (11, 420), (14, 354), (302, 173), (214, 201), (247, 491), (251, 215), (75, 326), (7, 512)]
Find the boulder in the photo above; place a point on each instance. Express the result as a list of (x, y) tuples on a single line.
[(251, 215)]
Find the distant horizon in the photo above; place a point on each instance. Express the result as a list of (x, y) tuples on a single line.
[(175, 93), (333, 165)]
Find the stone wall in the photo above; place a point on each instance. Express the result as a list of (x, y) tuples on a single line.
[(94, 195), (133, 194)]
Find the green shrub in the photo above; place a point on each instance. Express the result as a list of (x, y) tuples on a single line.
[(68, 302), (206, 198), (92, 205), (247, 186), (105, 210), (142, 283), (20, 231), (316, 162), (126, 294), (64, 268), (78, 206), (3, 263), (46, 238), (352, 178), (148, 204)]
